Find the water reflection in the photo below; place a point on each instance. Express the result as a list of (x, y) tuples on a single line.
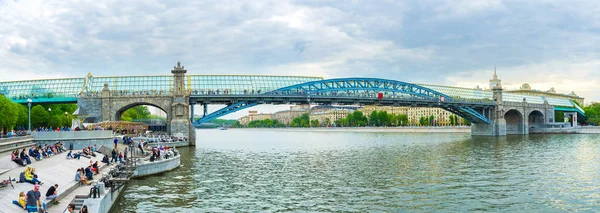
[(273, 171)]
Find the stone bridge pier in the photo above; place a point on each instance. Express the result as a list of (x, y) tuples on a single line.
[(110, 105), (513, 118)]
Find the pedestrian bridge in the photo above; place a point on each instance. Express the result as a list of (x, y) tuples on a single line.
[(103, 98)]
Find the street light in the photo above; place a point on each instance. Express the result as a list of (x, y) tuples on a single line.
[(29, 114)]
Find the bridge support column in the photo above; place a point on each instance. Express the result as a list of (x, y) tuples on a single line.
[(180, 123), (497, 125), (205, 110), (192, 112)]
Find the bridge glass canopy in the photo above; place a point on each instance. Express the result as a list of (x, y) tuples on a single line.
[(56, 89), (241, 84), (461, 93), (68, 89), (122, 85)]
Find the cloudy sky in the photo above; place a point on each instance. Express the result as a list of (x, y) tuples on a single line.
[(450, 42)]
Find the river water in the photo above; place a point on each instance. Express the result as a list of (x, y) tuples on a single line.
[(242, 170)]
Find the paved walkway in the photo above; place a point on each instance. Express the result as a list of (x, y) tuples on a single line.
[(54, 170)]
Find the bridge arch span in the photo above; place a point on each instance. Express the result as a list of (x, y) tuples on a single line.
[(369, 85), (514, 122), (118, 105), (363, 91), (120, 111), (536, 119)]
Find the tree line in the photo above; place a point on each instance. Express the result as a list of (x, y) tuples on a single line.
[(355, 119), (14, 116)]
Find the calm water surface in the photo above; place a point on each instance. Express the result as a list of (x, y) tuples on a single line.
[(291, 170)]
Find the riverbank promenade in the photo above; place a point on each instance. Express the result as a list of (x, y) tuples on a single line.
[(54, 170)]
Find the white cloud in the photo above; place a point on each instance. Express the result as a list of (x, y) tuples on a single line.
[(435, 42), (583, 77)]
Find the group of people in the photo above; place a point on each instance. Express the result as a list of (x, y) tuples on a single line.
[(29, 176), (12, 133), (86, 152), (31, 201), (23, 157), (51, 129)]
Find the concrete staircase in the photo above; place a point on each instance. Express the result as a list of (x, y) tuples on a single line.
[(78, 201)]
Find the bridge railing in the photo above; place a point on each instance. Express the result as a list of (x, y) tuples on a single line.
[(340, 94)]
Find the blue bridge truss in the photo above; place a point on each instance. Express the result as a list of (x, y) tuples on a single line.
[(353, 91)]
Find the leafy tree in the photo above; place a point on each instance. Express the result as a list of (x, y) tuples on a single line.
[(314, 123), (39, 116), (56, 121), (403, 119), (423, 121), (592, 112), (327, 122), (373, 118), (382, 118), (9, 113), (451, 118), (136, 113), (22, 120), (466, 122)]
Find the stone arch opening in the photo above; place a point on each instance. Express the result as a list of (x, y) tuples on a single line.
[(153, 122), (514, 122), (536, 119)]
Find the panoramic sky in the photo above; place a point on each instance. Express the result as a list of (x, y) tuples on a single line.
[(450, 42)]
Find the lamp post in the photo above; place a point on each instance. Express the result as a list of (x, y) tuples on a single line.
[(67, 117), (29, 115), (49, 111)]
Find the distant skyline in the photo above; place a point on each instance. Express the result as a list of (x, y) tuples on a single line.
[(448, 42)]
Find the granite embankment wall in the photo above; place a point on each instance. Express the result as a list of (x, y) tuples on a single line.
[(107, 199), (577, 130), (78, 139), (440, 129)]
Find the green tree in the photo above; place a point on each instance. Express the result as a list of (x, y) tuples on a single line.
[(136, 113), (22, 120), (382, 118), (592, 112), (466, 122), (403, 119), (314, 123), (451, 118), (9, 114), (373, 118), (39, 116), (431, 120), (56, 121), (423, 121)]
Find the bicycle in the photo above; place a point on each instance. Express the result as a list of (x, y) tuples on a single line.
[(5, 183)]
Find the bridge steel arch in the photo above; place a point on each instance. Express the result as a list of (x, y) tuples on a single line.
[(358, 91)]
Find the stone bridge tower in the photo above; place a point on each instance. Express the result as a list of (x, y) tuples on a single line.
[(180, 123), (497, 127)]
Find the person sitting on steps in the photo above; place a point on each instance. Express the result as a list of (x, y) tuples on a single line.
[(21, 201), (15, 157), (23, 155), (52, 194), (79, 177), (30, 177)]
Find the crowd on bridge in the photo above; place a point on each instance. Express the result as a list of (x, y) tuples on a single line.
[(33, 96)]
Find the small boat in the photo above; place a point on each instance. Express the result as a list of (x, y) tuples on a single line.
[(222, 128)]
